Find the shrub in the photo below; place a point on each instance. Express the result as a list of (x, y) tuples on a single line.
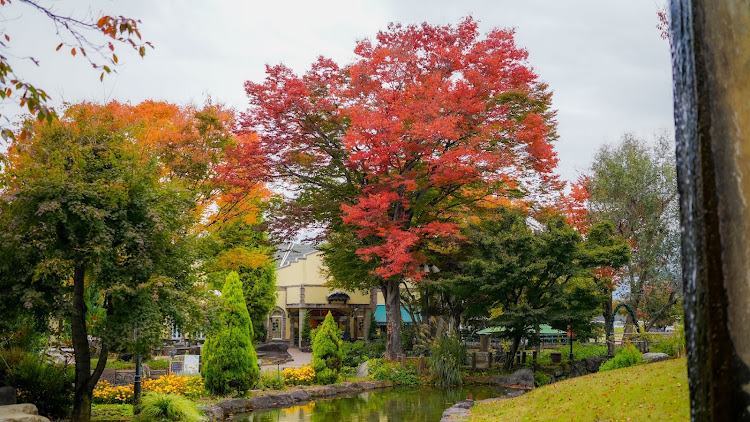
[(540, 378), (106, 393), (49, 386), (354, 354), (157, 407), (327, 351), (299, 376), (229, 360), (383, 370), (447, 356), (158, 364), (373, 332), (673, 345), (190, 386), (627, 356), (272, 380)]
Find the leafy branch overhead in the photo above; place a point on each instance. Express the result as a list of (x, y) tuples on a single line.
[(92, 38)]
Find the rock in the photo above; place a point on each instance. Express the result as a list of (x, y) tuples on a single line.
[(458, 411), (363, 370), (522, 377), (272, 347), (577, 369), (7, 396), (21, 413), (213, 413), (299, 395), (233, 405), (593, 363), (465, 404), (655, 357)]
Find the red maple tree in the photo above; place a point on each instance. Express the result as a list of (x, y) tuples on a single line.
[(429, 124)]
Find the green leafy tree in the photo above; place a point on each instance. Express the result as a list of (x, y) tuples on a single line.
[(633, 185), (522, 277), (237, 246), (83, 207), (229, 360), (327, 354)]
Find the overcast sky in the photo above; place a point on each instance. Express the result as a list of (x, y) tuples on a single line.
[(604, 60)]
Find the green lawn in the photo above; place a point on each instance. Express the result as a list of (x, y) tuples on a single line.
[(652, 392), (111, 412)]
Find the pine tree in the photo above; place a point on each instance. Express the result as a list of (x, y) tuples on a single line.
[(229, 360), (327, 351)]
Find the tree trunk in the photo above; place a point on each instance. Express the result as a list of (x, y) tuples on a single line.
[(83, 395), (670, 302), (513, 350), (85, 380), (392, 295)]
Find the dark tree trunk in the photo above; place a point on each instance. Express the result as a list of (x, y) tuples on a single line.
[(513, 350), (670, 302), (392, 295), (83, 395), (710, 53), (85, 380)]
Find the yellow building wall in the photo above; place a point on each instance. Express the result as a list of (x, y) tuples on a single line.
[(292, 295), (310, 273), (305, 271), (281, 298), (316, 294)]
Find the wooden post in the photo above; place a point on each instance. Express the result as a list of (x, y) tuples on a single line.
[(403, 360), (523, 357), (474, 360), (489, 360), (710, 56), (533, 356)]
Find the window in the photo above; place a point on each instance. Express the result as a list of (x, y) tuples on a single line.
[(277, 320), (359, 323), (176, 333)]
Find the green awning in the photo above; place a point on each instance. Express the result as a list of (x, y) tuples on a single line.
[(380, 315), (544, 329)]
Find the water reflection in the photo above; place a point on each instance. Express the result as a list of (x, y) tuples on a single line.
[(401, 404)]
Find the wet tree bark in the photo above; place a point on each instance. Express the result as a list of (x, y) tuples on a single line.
[(711, 58)]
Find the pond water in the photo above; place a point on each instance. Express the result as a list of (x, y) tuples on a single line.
[(392, 405)]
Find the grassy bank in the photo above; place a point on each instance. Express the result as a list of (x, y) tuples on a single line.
[(653, 392)]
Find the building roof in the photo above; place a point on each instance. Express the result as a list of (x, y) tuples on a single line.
[(289, 253)]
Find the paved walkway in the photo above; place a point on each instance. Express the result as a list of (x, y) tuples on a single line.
[(299, 359)]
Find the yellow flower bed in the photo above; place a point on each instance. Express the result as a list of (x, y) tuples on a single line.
[(185, 385), (188, 386), (110, 394), (299, 376)]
